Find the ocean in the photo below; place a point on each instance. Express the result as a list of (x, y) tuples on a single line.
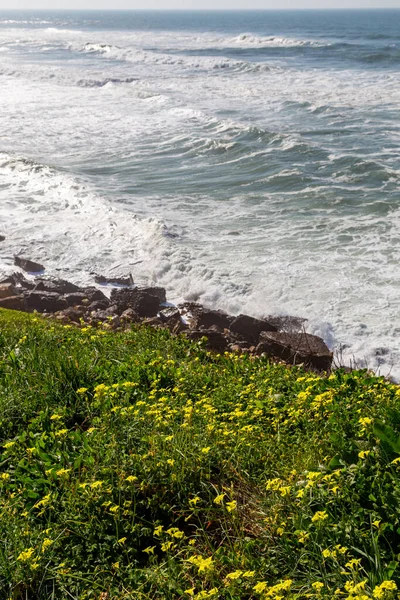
[(249, 161)]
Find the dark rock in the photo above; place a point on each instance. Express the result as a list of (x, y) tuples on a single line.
[(130, 316), (2, 238), (7, 290), (76, 298), (102, 279), (72, 314), (215, 339), (176, 326), (296, 348), (200, 317), (141, 301), (287, 324), (92, 294), (13, 303), (169, 313), (28, 265), (58, 286), (249, 328), (48, 302), (158, 292), (153, 322), (99, 305), (19, 281)]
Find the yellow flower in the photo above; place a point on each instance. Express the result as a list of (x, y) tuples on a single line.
[(158, 530), (363, 454), (46, 543), (320, 515), (260, 586), (122, 540), (376, 523), (394, 462), (131, 478), (189, 592), (62, 472), (149, 550), (234, 575), (194, 501), (385, 586), (175, 532), (218, 499), (81, 390), (9, 445), (5, 476), (231, 506), (203, 564), (317, 585), (61, 432), (166, 546), (206, 450), (96, 484), (55, 417), (26, 555)]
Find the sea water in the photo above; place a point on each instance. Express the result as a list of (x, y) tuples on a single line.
[(246, 160)]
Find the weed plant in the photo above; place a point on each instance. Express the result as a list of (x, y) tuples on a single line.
[(137, 465)]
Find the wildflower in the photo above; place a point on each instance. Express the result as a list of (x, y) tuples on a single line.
[(206, 450), (317, 585), (365, 421), (122, 540), (394, 462), (5, 476), (11, 444), (189, 592), (115, 566), (203, 564), (167, 546), (61, 432), (149, 550), (96, 484), (91, 429), (171, 462), (194, 501), (218, 499), (81, 390), (62, 472), (385, 586), (55, 417), (158, 530), (354, 562), (376, 523), (363, 454), (234, 575), (249, 574), (46, 543), (26, 555), (131, 478), (285, 490), (320, 515), (260, 586), (175, 532), (114, 509)]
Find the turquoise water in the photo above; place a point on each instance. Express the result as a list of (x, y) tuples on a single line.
[(249, 160)]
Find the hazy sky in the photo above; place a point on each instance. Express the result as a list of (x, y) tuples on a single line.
[(195, 4)]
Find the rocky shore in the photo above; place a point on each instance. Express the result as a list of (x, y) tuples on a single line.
[(282, 339)]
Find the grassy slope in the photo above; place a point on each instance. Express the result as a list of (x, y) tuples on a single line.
[(136, 465)]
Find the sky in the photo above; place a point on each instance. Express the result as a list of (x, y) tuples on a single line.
[(196, 4)]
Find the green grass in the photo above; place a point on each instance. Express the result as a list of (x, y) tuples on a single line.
[(136, 465)]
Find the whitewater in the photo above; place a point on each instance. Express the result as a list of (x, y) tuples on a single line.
[(246, 160)]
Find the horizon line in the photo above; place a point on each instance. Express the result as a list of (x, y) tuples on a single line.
[(344, 9)]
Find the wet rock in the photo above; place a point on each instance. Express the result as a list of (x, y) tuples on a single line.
[(76, 298), (99, 305), (92, 294), (215, 339), (169, 313), (19, 281), (249, 328), (287, 324), (44, 302), (58, 286), (28, 265), (123, 280), (130, 316), (72, 314), (140, 300), (7, 290), (158, 292), (296, 348), (2, 238), (204, 318), (13, 303)]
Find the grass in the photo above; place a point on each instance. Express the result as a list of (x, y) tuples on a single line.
[(137, 465)]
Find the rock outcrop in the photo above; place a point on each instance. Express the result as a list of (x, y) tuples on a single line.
[(281, 339)]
